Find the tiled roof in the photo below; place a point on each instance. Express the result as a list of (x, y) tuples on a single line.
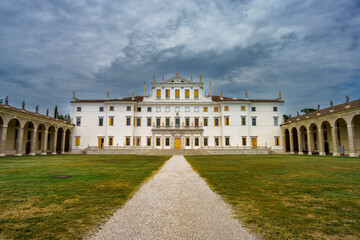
[(326, 111), (2, 106), (218, 98)]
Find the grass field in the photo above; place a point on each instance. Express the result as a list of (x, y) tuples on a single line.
[(34, 205), (288, 197)]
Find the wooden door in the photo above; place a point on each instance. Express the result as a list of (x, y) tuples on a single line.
[(101, 141), (177, 143), (254, 142)]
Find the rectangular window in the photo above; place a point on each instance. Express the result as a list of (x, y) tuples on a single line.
[(187, 122), (158, 109), (226, 108), (196, 109), (167, 109), (277, 141), (243, 121), (128, 121), (216, 109), (149, 109), (111, 121), (77, 141), (128, 108), (253, 121), (101, 122), (167, 93), (187, 93), (227, 121), (78, 121), (177, 109), (276, 121), (196, 141), (138, 122), (158, 122), (253, 109), (187, 109), (242, 108), (139, 109), (205, 109), (101, 109), (127, 141), (244, 141), (167, 141), (167, 122), (205, 141), (148, 141), (79, 109), (149, 122), (196, 93), (111, 141), (205, 122), (177, 93), (158, 141), (177, 122), (196, 122), (216, 122), (138, 141), (158, 93), (227, 141), (216, 141), (275, 109), (111, 108), (187, 141)]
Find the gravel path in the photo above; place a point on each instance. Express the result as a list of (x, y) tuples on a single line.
[(175, 204)]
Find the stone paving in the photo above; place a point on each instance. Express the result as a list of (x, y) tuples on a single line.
[(175, 204)]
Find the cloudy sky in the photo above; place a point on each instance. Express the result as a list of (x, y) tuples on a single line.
[(310, 50)]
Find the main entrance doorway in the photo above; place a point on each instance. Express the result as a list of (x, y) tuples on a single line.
[(101, 142), (177, 143), (254, 142)]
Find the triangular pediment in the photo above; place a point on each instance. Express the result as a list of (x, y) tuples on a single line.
[(177, 79)]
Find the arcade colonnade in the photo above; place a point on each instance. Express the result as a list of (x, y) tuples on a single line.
[(332, 131), (24, 132)]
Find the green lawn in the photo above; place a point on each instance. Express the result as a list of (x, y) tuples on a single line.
[(288, 197), (35, 205)]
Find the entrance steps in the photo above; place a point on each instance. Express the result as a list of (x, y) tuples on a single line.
[(177, 152)]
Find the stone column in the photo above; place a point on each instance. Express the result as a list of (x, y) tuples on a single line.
[(291, 143), (70, 142), (310, 141), (162, 141), (192, 141), (55, 142), (33, 142), (321, 141), (300, 143), (3, 134), (351, 138), (44, 143), (19, 142), (63, 142), (335, 141), (283, 141)]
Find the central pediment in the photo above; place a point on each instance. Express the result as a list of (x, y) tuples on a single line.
[(177, 79)]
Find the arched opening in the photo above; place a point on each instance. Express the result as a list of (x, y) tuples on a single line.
[(356, 124), (50, 140), (67, 140), (287, 140), (342, 135), (328, 142), (1, 132), (304, 140), (295, 139), (27, 137), (40, 138), (59, 139), (13, 134), (313, 138)]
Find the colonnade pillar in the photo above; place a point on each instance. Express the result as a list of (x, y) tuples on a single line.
[(291, 142), (33, 142), (19, 142), (300, 143), (351, 138), (45, 142), (70, 142), (55, 142), (321, 141), (63, 142), (284, 141), (3, 134), (310, 142), (335, 141)]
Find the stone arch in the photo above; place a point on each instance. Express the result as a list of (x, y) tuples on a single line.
[(295, 139), (313, 138), (51, 138), (355, 122), (342, 135), (1, 132), (13, 136), (303, 139), (60, 136), (27, 137), (327, 140), (68, 141), (40, 138), (287, 140)]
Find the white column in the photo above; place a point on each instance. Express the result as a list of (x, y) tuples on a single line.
[(70, 142), (63, 143), (54, 141), (335, 141), (310, 141), (291, 142), (283, 141), (300, 143), (44, 143), (321, 141), (33, 142), (351, 138), (19, 141), (3, 134)]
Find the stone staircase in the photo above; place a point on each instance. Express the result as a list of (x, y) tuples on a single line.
[(177, 152)]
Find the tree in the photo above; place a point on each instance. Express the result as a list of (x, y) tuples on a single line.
[(286, 117), (308, 110), (1, 100), (56, 114)]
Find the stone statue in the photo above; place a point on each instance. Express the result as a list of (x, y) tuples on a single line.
[(47, 112), (347, 100), (289, 116), (23, 105), (37, 109), (7, 100), (298, 113), (331, 104), (318, 108)]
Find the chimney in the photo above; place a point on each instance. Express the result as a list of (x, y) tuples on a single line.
[(210, 90), (133, 95), (74, 96), (108, 95), (177, 73), (246, 95), (280, 97), (154, 78), (221, 95), (144, 90), (200, 78)]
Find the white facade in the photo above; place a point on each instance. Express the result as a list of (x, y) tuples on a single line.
[(177, 114)]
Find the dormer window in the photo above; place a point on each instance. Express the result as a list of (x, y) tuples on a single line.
[(158, 93), (196, 93)]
